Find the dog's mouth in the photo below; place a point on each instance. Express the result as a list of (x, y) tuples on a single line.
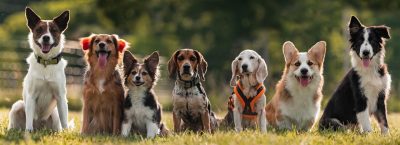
[(45, 47), (102, 56), (138, 83), (304, 80), (366, 61)]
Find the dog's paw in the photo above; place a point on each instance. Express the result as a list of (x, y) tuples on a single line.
[(238, 129), (29, 130), (385, 131)]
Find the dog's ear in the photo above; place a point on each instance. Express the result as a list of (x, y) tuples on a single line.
[(62, 20), (354, 25), (120, 44), (31, 18), (129, 61), (235, 72), (86, 42), (151, 62), (202, 66), (289, 51), (382, 31), (172, 65), (262, 70), (318, 52)]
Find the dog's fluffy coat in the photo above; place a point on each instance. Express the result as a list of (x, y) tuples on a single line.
[(297, 100)]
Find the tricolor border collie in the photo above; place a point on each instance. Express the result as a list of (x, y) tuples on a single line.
[(44, 88), (297, 100), (365, 88), (142, 112)]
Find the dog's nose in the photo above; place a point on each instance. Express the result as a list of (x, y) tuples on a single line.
[(365, 53), (137, 78), (244, 66), (102, 45), (186, 67), (304, 71), (46, 38)]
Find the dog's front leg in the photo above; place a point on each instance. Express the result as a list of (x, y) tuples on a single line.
[(126, 127), (117, 120), (30, 105), (177, 121), (205, 118), (381, 114), (237, 118), (152, 129), (62, 105), (262, 120), (86, 120), (363, 120)]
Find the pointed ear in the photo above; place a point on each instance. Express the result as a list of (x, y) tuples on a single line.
[(86, 42), (129, 61), (318, 52), (262, 71), (382, 31), (202, 66), (62, 20), (31, 17), (152, 61), (354, 25), (235, 72), (172, 65), (289, 51)]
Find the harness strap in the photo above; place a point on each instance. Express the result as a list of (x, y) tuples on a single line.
[(248, 102)]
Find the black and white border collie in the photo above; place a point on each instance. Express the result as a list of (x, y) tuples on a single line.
[(365, 88)]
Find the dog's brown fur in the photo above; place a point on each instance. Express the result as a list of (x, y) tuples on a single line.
[(102, 109)]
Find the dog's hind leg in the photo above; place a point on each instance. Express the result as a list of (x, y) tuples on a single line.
[(330, 123), (17, 116)]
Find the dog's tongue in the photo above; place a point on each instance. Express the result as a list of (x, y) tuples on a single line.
[(102, 59), (366, 62), (46, 48), (304, 81)]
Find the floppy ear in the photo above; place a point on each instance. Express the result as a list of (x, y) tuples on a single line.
[(62, 20), (382, 31), (172, 65), (31, 17), (120, 44), (289, 51), (354, 25), (152, 61), (129, 61), (235, 72), (318, 52), (86, 42), (202, 67), (262, 71)]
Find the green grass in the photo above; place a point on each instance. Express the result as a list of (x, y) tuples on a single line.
[(250, 137)]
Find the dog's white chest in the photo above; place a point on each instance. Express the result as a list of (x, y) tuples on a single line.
[(372, 85), (139, 113), (189, 101)]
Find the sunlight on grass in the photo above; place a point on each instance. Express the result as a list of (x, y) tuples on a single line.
[(249, 137)]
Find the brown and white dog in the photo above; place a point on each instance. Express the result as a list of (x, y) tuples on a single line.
[(142, 112), (190, 102), (248, 100), (297, 100), (103, 94), (44, 88)]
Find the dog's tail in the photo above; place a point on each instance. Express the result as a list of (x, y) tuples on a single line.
[(71, 124), (330, 124), (164, 131), (227, 121)]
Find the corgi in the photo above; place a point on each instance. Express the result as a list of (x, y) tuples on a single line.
[(103, 93), (44, 102), (364, 90), (142, 112), (297, 99)]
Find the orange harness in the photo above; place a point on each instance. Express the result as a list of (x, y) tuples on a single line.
[(247, 102)]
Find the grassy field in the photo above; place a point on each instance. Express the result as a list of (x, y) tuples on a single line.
[(221, 137)]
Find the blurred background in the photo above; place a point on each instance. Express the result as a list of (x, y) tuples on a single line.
[(220, 29)]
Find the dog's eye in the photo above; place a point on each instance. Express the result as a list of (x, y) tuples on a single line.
[(239, 58), (134, 72), (109, 41), (96, 41), (144, 73), (297, 64), (192, 58), (251, 57), (39, 30), (53, 30), (180, 58), (310, 63)]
